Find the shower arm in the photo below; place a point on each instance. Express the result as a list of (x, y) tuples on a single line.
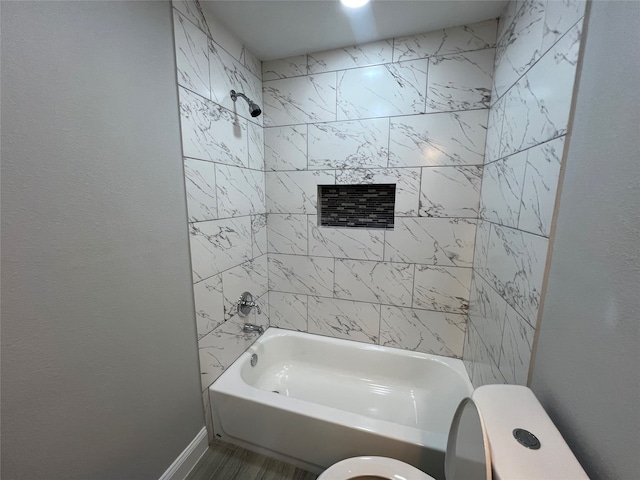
[(235, 95)]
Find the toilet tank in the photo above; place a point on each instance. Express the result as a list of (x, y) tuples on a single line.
[(506, 408)]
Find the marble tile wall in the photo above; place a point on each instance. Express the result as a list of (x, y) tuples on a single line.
[(411, 111), (536, 56), (223, 149)]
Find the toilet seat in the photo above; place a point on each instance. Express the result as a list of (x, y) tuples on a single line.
[(375, 467)]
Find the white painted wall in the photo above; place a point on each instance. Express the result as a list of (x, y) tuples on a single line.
[(99, 359)]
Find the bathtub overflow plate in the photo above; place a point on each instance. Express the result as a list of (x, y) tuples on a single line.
[(526, 438), (254, 360)]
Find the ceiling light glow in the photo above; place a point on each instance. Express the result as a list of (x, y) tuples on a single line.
[(354, 3)]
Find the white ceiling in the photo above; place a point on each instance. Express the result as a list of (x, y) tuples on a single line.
[(282, 28)]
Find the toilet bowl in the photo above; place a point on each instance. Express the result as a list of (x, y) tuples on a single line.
[(500, 432)]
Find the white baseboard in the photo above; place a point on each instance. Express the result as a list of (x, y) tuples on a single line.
[(185, 462)]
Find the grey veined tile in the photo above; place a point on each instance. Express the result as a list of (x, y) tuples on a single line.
[(287, 233), (433, 241), (375, 282), (364, 55), (461, 81), (301, 274), (209, 303), (217, 245), (517, 343), (192, 56), (288, 310), (295, 192), (364, 244), (345, 319), (450, 138), (444, 289), (240, 191), (307, 99), (450, 191), (466, 38), (285, 148), (210, 132), (295, 66), (200, 185), (403, 83), (422, 330), (354, 144), (515, 268)]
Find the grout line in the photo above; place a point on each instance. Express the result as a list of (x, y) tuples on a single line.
[(374, 303), (379, 64), (414, 114)]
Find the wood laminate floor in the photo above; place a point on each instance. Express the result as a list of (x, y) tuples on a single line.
[(223, 461)]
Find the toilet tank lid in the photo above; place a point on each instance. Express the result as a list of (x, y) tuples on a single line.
[(505, 408)]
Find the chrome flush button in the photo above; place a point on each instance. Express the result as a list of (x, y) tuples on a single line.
[(526, 438)]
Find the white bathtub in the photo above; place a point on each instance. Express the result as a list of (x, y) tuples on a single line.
[(338, 399)]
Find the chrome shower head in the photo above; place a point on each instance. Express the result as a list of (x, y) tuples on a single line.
[(254, 109)]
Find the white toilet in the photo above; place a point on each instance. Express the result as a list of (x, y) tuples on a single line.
[(501, 432)]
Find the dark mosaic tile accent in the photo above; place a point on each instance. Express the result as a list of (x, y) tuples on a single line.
[(357, 206)]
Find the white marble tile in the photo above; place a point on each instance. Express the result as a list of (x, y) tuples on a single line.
[(517, 342), (209, 304), (423, 331), (540, 186), (507, 17), (355, 144), (481, 250), (501, 189), (285, 148), (364, 55), (358, 243), (250, 277), (450, 191), (484, 371), (220, 348), (284, 68), (192, 56), (455, 138), (460, 82), (288, 310), (256, 146), (287, 233), (295, 192), (515, 264), (226, 74), (193, 12), (403, 85), (200, 184), (240, 191), (407, 182), (476, 36), (301, 274), (210, 132), (357, 321), (432, 241), (519, 45), (537, 107), (494, 132), (376, 282), (486, 313), (560, 16), (259, 234), (307, 99), (444, 289), (217, 245), (253, 64), (223, 37)]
